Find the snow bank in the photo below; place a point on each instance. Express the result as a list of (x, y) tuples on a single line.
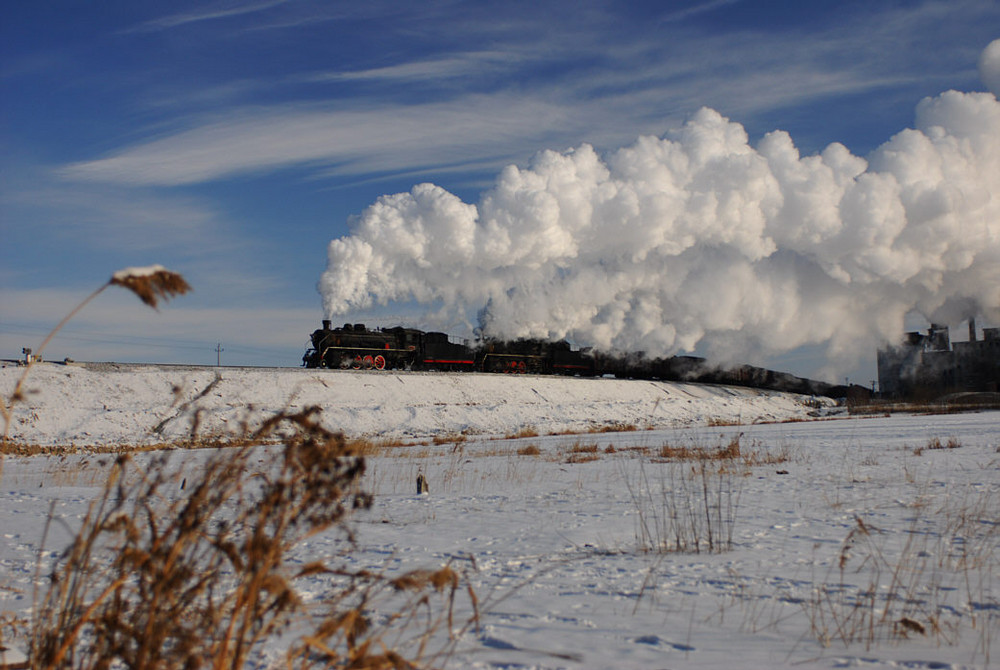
[(113, 403)]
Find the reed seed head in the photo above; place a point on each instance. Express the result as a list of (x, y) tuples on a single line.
[(151, 283)]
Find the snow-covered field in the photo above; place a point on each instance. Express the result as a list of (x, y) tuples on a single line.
[(848, 536)]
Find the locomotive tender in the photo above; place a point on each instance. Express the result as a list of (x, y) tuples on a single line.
[(358, 347)]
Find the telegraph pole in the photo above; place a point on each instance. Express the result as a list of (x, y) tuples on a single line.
[(218, 355)]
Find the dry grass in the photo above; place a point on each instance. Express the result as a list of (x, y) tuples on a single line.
[(715, 422), (381, 447), (614, 428), (175, 569), (583, 453), (684, 507), (449, 438), (691, 503), (952, 443), (529, 450), (732, 451), (598, 429), (932, 579), (935, 443)]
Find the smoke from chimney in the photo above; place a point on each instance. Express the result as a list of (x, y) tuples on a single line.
[(699, 238)]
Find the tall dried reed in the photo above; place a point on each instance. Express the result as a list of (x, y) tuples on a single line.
[(933, 578), (192, 569), (691, 504)]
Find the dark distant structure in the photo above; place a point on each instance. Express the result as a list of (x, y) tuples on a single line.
[(928, 366)]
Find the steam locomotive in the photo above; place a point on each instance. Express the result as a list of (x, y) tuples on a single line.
[(354, 346)]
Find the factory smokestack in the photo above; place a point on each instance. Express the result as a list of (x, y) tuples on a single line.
[(700, 239)]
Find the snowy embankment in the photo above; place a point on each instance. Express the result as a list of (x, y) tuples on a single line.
[(115, 404)]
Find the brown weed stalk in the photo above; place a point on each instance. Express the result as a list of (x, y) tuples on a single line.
[(688, 508), (931, 580), (348, 634), (191, 570)]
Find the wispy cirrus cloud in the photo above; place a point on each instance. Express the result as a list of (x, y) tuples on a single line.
[(436, 69), (216, 11), (480, 129), (366, 140), (636, 84)]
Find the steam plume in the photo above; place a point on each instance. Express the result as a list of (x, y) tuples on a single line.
[(700, 238)]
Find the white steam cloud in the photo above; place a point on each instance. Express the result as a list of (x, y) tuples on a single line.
[(699, 238)]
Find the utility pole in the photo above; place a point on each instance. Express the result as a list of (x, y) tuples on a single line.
[(218, 355)]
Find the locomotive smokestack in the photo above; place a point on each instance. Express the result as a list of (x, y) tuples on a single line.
[(326, 324), (972, 329)]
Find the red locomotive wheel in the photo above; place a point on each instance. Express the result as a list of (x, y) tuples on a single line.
[(380, 362), (521, 367), (369, 362), (358, 362)]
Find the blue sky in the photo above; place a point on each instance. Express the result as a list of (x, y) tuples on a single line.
[(231, 141)]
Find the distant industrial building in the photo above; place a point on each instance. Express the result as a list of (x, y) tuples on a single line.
[(928, 366)]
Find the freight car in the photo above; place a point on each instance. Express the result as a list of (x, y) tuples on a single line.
[(358, 347)]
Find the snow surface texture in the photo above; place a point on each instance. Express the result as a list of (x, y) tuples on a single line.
[(700, 239), (112, 403), (559, 570)]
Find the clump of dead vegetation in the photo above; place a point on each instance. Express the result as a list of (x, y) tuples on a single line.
[(716, 422), (529, 450), (449, 438), (731, 452), (583, 453), (684, 508), (952, 443), (617, 427), (689, 503), (935, 444), (179, 569), (687, 499), (930, 579), (522, 433)]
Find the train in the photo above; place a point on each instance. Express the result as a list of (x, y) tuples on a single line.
[(358, 347), (355, 346)]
